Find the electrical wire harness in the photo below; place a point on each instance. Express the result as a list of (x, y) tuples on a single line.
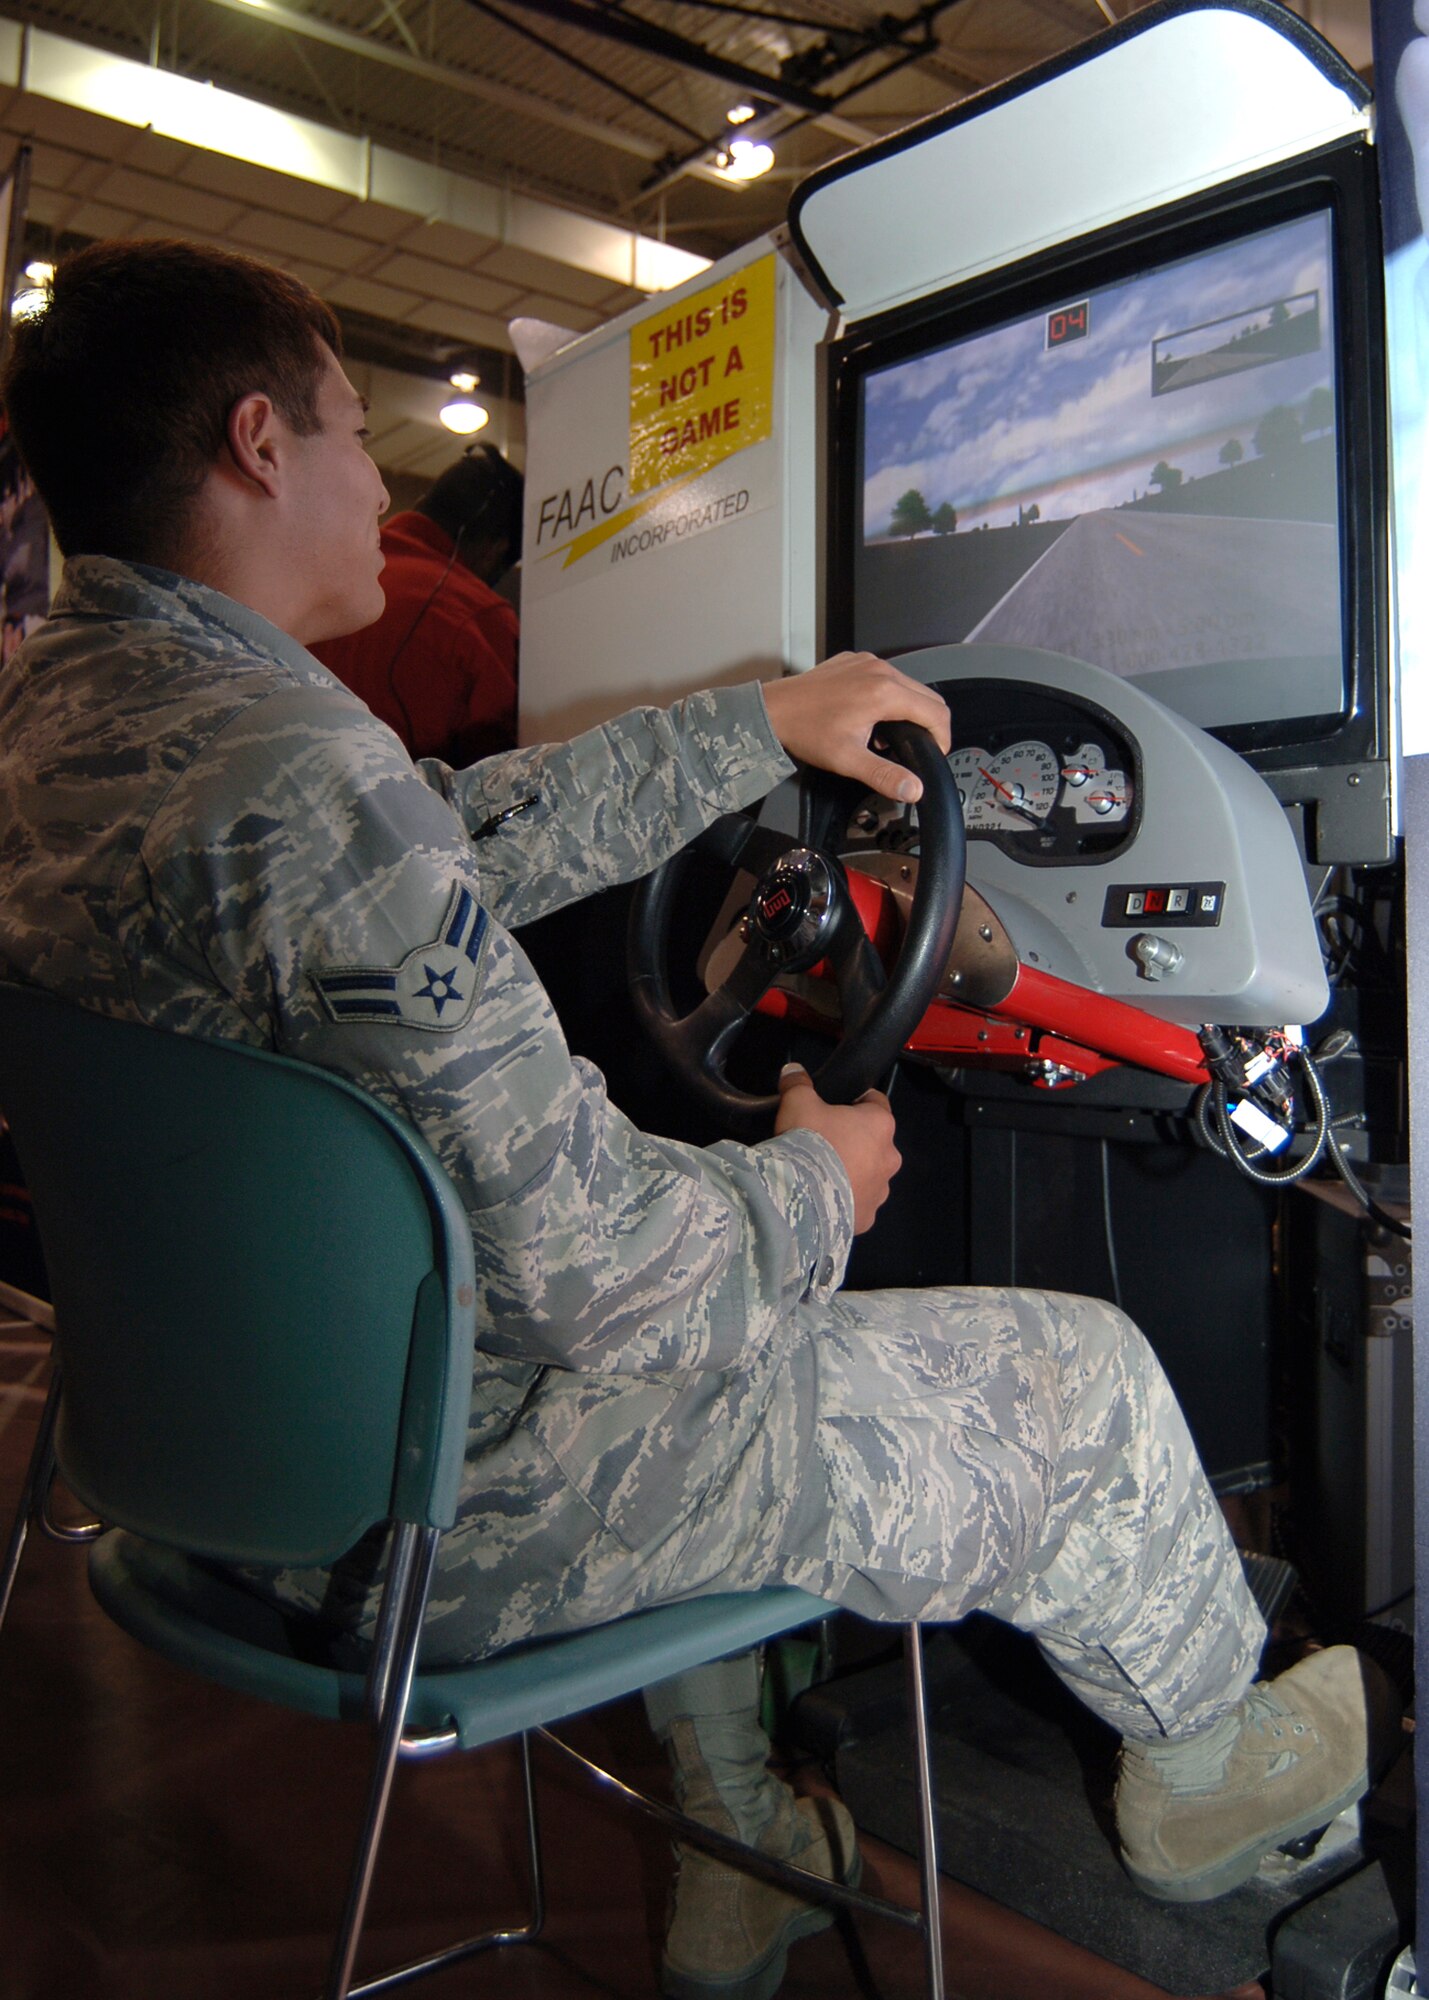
[(1267, 1094)]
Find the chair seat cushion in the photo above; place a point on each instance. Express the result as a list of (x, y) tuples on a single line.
[(191, 1614)]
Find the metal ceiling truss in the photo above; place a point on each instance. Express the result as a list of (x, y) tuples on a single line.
[(793, 94), (614, 23), (585, 69), (523, 103), (909, 39), (793, 84)]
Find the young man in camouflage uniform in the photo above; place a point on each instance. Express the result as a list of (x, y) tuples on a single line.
[(201, 829)]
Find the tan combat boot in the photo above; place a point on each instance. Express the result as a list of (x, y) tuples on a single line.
[(1197, 1818), (730, 1932)]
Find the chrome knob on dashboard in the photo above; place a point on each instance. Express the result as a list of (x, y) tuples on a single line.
[(1156, 956)]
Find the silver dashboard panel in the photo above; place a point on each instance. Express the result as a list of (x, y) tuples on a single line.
[(1188, 822)]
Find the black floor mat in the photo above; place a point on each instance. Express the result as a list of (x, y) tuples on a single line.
[(1023, 1779)]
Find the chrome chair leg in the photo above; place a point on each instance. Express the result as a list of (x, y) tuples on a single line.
[(927, 1824), (438, 1961), (533, 1844), (926, 1920), (415, 1569), (38, 1475)]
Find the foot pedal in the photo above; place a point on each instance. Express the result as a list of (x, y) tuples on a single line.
[(1392, 1650), (1304, 1847)]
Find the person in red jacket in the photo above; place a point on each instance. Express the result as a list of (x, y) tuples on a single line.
[(439, 666)]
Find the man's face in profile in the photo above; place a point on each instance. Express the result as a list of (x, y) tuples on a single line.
[(337, 500)]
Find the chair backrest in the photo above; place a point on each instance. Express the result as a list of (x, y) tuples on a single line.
[(263, 1285)]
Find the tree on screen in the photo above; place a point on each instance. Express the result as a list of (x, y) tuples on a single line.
[(1319, 410), (1165, 476), (1277, 432), (910, 514), (1232, 452), (945, 518)]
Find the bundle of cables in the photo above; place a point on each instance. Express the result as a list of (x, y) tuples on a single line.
[(1267, 1090)]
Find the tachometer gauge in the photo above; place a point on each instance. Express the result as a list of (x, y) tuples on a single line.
[(967, 767), (1022, 785)]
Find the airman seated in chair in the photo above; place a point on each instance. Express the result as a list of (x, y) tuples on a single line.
[(203, 830)]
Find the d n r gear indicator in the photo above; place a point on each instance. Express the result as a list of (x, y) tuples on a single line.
[(1170, 905)]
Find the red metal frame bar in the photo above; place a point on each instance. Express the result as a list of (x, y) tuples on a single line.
[(1042, 1021)]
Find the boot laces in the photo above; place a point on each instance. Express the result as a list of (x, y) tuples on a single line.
[(1268, 1712), (1263, 1720)]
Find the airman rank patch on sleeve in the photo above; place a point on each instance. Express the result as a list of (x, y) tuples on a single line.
[(433, 988)]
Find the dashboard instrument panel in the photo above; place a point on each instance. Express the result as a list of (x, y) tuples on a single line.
[(1049, 778)]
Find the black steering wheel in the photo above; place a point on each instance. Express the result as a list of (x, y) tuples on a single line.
[(801, 912)]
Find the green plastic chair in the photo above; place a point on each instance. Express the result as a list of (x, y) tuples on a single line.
[(266, 1306)]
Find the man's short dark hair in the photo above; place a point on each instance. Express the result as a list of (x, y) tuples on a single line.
[(478, 500), (119, 391)]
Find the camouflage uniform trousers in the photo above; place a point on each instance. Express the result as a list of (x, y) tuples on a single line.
[(1015, 1452)]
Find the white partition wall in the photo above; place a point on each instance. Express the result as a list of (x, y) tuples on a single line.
[(671, 535)]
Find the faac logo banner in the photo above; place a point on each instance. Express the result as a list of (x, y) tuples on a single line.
[(702, 379)]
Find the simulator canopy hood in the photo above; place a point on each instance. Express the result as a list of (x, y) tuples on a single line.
[(1182, 97)]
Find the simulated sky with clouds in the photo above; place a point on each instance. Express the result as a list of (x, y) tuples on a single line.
[(995, 422)]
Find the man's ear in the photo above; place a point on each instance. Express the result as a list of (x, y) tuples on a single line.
[(252, 433)]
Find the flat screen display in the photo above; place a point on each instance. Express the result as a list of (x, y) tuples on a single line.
[(1143, 474)]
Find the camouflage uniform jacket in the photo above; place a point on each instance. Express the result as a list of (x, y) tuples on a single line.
[(201, 829)]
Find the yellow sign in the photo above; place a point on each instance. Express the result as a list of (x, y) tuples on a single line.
[(702, 378)]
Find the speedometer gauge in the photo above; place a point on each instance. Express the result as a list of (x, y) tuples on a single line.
[(1022, 784), (968, 767)]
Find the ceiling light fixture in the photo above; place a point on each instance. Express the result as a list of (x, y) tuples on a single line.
[(745, 160), (39, 270), (740, 114), (29, 301), (464, 416)]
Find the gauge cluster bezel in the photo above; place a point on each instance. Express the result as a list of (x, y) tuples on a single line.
[(999, 716)]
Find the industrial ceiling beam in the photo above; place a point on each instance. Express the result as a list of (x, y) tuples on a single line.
[(570, 60), (614, 24), (909, 39)]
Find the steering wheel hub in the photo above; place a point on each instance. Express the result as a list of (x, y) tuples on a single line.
[(793, 907)]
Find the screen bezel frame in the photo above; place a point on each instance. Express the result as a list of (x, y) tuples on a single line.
[(1340, 178)]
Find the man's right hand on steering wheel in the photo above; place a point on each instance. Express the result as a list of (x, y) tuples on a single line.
[(827, 716)]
